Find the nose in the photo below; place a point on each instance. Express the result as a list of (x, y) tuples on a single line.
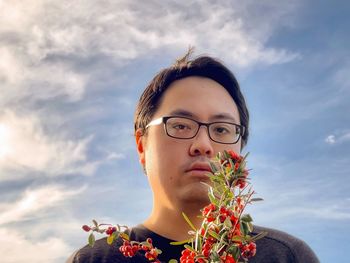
[(202, 144)]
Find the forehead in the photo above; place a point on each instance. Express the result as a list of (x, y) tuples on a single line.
[(200, 97)]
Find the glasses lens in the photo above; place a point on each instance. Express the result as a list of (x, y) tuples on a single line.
[(181, 127), (224, 132)]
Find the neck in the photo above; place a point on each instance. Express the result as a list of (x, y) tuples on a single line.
[(170, 223)]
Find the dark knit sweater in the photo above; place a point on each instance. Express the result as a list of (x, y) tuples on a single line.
[(276, 247)]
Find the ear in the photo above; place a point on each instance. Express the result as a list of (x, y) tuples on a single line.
[(140, 145)]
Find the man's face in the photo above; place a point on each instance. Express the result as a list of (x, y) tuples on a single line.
[(176, 167)]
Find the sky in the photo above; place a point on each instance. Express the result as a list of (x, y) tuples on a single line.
[(71, 73)]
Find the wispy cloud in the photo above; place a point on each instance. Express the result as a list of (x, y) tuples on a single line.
[(342, 79), (42, 80), (297, 190), (34, 202), (25, 146), (16, 247), (296, 205), (115, 29)]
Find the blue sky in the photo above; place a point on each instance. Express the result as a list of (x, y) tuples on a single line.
[(71, 73)]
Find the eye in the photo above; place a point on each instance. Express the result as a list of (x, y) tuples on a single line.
[(221, 130), (180, 126)]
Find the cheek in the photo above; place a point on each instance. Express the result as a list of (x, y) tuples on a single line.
[(163, 155)]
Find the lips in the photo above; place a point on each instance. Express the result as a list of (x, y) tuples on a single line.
[(199, 169)]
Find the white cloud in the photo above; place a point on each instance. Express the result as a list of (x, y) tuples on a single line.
[(127, 29), (21, 78), (43, 44), (115, 156), (35, 201), (18, 248), (338, 139), (26, 147), (330, 139)]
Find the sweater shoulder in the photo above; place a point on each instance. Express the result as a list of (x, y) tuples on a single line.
[(283, 246)]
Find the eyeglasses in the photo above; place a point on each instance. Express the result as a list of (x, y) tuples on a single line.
[(186, 128)]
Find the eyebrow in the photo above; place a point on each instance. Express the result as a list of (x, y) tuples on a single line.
[(219, 116)]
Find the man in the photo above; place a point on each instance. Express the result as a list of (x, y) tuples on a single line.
[(179, 125)]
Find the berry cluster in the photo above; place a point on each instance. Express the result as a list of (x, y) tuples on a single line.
[(235, 167), (216, 222), (248, 250), (187, 256), (129, 249), (110, 230)]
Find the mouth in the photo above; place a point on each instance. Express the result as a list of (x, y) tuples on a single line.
[(199, 170)]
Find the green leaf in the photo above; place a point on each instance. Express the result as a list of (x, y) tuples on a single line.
[(250, 226), (246, 218), (91, 240), (256, 199), (212, 197), (188, 221), (190, 248), (213, 167), (172, 261), (110, 239), (231, 163), (196, 242), (227, 222), (234, 251), (259, 235), (237, 238), (214, 256), (214, 234), (181, 242), (222, 240), (95, 222), (146, 244), (226, 154), (124, 236), (244, 228)]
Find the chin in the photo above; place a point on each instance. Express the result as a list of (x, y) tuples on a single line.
[(195, 194)]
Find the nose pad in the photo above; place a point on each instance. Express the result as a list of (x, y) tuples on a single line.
[(206, 131)]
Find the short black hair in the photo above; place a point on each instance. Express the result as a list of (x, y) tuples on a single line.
[(202, 66)]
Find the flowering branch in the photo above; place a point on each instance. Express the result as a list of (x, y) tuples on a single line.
[(224, 235)]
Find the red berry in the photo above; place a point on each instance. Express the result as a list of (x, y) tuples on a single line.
[(86, 228), (222, 218), (230, 259), (110, 230)]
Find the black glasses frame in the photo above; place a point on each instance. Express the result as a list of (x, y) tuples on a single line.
[(165, 119)]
